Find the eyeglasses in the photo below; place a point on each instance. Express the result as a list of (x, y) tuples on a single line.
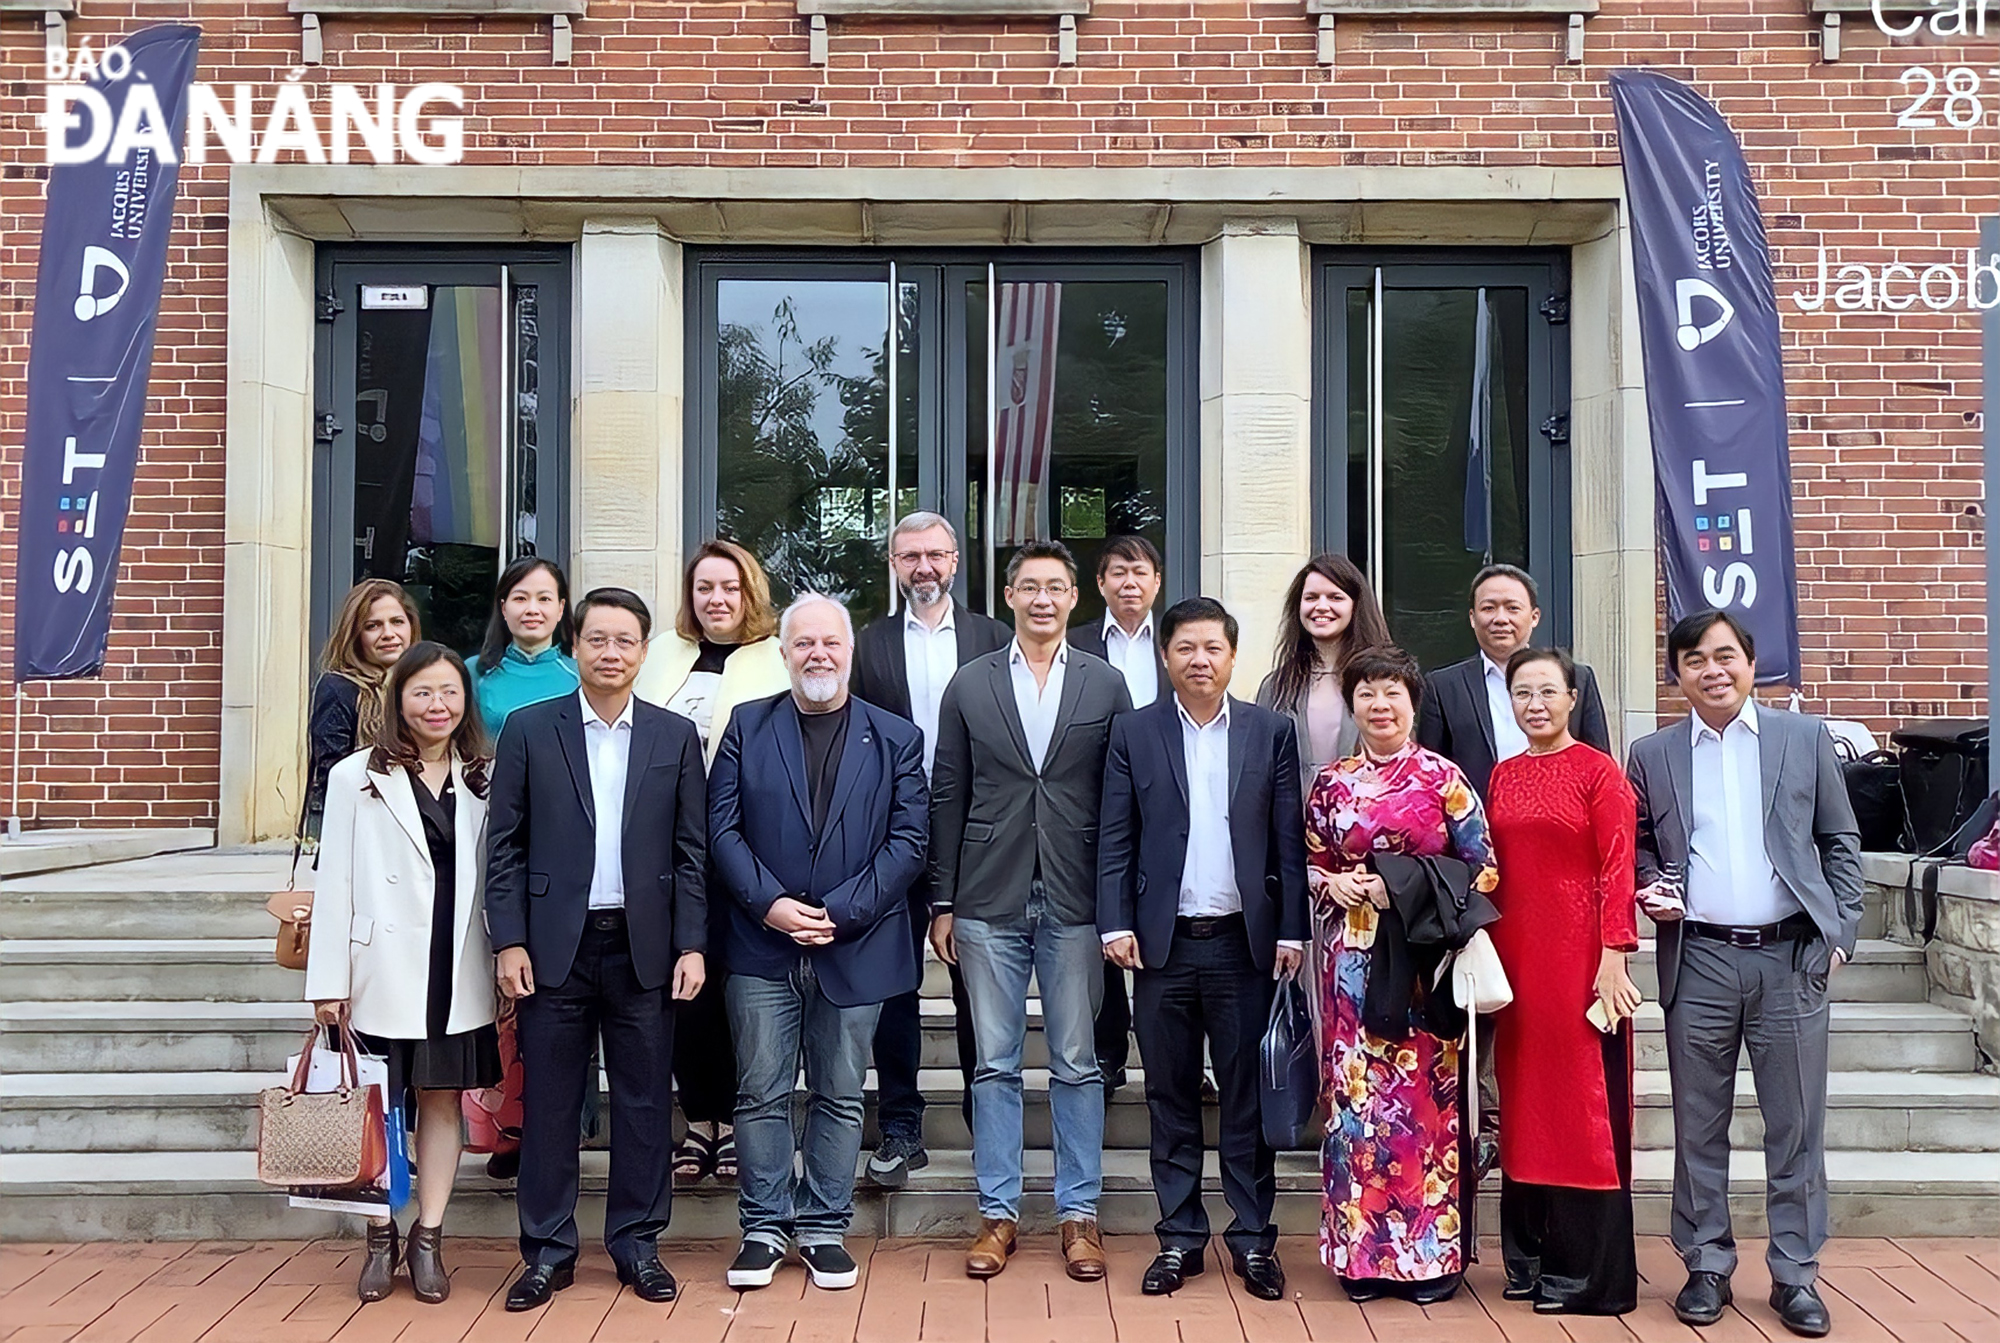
[(1545, 695), (1034, 590), (937, 558), (597, 643)]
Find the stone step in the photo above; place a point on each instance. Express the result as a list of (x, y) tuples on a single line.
[(171, 895), (64, 1196), (1891, 1037), (216, 1111), (135, 969), (111, 1037)]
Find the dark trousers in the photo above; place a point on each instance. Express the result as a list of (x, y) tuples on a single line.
[(1208, 989), (558, 1025), (1114, 1026), (1576, 1244), (899, 1042), (705, 1054)]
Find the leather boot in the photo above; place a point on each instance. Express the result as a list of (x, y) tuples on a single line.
[(425, 1258), (378, 1265), (990, 1248)]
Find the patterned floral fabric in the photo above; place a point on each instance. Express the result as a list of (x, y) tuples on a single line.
[(1390, 1160)]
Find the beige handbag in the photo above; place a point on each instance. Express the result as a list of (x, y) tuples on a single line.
[(322, 1140)]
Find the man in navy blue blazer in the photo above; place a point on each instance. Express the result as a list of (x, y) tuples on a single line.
[(818, 819), (1202, 894)]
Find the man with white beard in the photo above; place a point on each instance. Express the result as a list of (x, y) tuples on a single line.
[(818, 820), (902, 663)]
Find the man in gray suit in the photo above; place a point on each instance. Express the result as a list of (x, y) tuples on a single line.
[(1750, 860), (1015, 788)]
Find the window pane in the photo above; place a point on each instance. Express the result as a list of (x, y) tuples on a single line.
[(427, 482), (1455, 437), (1080, 421), (802, 472)]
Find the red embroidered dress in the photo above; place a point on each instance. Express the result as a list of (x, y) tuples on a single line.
[(1563, 828)]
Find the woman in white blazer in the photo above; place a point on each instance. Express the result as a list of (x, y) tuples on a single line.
[(722, 652), (399, 939)]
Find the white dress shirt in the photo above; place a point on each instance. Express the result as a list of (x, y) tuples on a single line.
[(1508, 739), (1037, 704), (930, 657), (1136, 656), (1729, 875), (1208, 875), (609, 746)]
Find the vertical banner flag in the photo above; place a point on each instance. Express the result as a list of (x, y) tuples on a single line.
[(1715, 382), (1025, 424), (97, 298)]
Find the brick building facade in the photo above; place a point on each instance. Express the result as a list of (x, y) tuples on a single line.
[(1260, 163)]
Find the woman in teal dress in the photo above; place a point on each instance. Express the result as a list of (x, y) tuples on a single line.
[(525, 658)]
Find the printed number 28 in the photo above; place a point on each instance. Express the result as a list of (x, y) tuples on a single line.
[(1960, 101)]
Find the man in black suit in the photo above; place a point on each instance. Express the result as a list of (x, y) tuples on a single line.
[(1202, 894), (818, 824), (1129, 575), (902, 663), (597, 845), (1014, 800), (1467, 716)]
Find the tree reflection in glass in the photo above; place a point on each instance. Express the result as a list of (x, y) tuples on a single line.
[(802, 420)]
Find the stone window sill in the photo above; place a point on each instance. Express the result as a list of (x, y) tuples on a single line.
[(944, 9), (434, 8), (1395, 9)]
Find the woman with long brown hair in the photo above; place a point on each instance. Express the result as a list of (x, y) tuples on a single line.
[(722, 651), (377, 621), (399, 934), (1330, 614)]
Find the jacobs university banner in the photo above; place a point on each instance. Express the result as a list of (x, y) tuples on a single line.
[(1715, 382), (97, 297)]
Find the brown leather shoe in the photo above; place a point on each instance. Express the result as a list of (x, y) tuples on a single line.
[(424, 1254), (990, 1249), (378, 1263), (1083, 1251)]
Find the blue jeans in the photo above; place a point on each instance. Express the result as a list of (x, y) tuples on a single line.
[(775, 1021), (1067, 962)]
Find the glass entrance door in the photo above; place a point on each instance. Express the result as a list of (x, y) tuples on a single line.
[(1443, 438), (1041, 397), (438, 432)]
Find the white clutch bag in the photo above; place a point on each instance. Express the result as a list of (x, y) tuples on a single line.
[(1478, 981)]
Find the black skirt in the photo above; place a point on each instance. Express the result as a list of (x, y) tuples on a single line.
[(464, 1062)]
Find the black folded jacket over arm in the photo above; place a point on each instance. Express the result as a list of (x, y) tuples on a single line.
[(1433, 911)]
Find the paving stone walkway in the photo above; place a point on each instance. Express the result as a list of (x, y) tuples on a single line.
[(1907, 1291)]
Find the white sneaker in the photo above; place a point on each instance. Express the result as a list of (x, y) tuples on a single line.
[(831, 1267)]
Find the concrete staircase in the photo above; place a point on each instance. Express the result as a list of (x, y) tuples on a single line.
[(140, 1014)]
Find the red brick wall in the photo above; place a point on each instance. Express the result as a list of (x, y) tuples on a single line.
[(1884, 406)]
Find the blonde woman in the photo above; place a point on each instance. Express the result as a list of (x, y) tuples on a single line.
[(399, 937), (722, 652), (377, 622)]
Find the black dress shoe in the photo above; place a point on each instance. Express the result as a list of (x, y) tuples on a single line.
[(537, 1283), (1801, 1310), (1263, 1276), (649, 1280), (1170, 1271), (1703, 1299), (1435, 1291), (1363, 1290)]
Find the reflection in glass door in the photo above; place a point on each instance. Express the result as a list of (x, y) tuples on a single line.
[(434, 434), (1090, 386), (1442, 443)]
